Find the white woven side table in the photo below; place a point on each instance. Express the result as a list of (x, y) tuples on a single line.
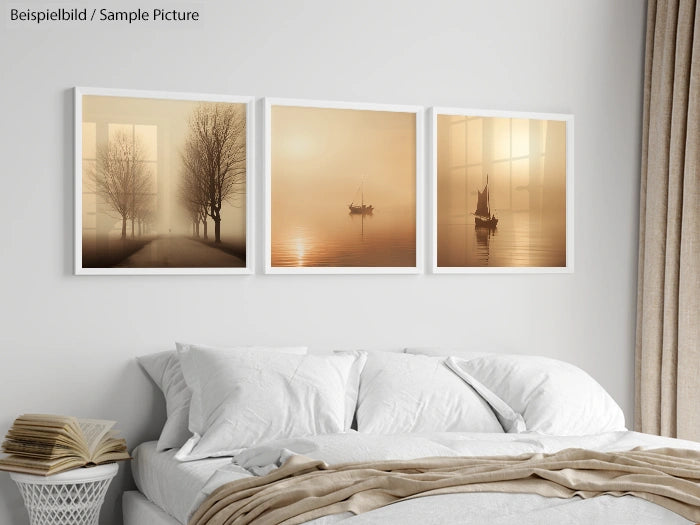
[(73, 497)]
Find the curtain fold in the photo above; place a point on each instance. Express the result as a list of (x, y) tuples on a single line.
[(667, 363)]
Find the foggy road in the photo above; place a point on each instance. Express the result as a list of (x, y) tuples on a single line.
[(180, 252)]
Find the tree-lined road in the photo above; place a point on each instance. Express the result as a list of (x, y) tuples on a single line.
[(180, 252)]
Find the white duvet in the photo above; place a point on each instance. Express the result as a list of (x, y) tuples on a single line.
[(479, 508)]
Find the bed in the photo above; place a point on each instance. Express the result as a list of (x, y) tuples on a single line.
[(241, 415)]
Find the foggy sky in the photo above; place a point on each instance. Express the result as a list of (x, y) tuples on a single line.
[(322, 156)]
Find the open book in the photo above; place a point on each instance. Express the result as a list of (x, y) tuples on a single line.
[(46, 444)]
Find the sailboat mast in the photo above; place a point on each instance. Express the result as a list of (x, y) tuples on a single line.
[(488, 196)]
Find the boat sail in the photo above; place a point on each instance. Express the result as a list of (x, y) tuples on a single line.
[(482, 215), (361, 208)]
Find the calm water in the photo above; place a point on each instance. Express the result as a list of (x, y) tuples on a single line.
[(519, 240), (331, 236)]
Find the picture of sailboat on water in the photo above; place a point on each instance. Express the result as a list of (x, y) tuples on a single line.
[(503, 191), (342, 181)]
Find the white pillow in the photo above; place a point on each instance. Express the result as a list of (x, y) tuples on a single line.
[(403, 393), (553, 397), (241, 398), (164, 368)]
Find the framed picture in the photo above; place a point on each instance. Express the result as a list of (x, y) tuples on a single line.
[(343, 187), (164, 182), (502, 191)]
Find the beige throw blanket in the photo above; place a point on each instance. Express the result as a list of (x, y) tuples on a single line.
[(304, 489)]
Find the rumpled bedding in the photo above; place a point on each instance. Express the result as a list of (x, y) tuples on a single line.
[(355, 447), (303, 489)]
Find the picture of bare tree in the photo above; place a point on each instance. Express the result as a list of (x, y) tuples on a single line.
[(155, 173)]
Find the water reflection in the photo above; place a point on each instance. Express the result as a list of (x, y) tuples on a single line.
[(330, 236), (483, 235), (360, 217), (521, 239), (301, 245)]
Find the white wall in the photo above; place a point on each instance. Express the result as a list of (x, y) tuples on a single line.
[(68, 342)]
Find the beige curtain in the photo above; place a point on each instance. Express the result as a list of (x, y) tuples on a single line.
[(667, 374)]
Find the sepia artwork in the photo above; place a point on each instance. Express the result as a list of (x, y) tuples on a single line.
[(342, 187), (163, 182), (502, 191)]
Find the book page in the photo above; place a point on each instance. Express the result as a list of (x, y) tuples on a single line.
[(42, 467), (110, 445), (93, 431), (45, 420)]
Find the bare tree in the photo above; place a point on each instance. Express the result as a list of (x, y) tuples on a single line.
[(190, 207), (144, 213), (122, 178), (217, 140), (193, 192)]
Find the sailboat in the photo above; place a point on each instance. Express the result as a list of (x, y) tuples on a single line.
[(482, 215), (362, 208)]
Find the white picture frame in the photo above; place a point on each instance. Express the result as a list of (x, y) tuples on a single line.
[(568, 120), (418, 112), (249, 246)]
